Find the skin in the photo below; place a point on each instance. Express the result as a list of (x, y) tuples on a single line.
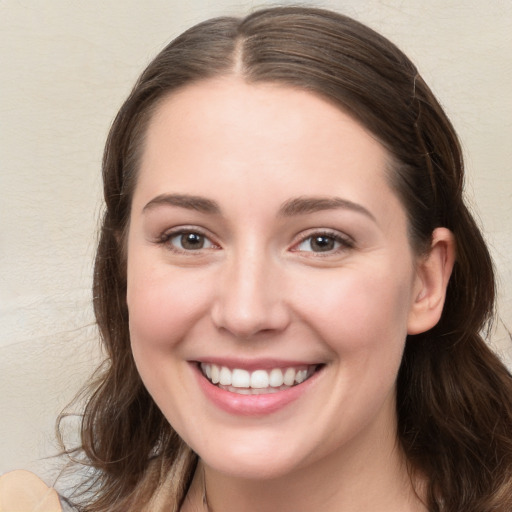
[(259, 290)]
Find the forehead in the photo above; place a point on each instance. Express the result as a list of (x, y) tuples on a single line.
[(230, 103), (258, 140)]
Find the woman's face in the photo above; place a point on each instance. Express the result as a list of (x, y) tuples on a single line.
[(267, 249)]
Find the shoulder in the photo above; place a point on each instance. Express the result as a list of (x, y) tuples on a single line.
[(21, 490)]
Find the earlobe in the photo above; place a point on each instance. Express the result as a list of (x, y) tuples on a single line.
[(432, 275)]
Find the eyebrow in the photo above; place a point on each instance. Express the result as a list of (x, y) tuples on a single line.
[(311, 204), (201, 204), (296, 206)]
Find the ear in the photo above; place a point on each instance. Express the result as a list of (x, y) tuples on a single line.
[(432, 275)]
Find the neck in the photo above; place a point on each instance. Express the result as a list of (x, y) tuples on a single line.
[(351, 482)]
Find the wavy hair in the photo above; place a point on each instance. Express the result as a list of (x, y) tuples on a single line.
[(454, 402)]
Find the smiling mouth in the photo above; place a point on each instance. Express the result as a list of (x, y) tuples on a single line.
[(257, 382)]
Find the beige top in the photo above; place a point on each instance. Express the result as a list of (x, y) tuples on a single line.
[(22, 491)]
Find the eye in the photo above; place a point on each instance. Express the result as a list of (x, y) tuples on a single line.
[(187, 241), (323, 243)]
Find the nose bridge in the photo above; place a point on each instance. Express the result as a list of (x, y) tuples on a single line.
[(250, 299)]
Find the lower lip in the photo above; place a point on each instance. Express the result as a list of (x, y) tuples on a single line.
[(252, 405)]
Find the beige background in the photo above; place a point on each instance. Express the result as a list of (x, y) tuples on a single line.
[(66, 66)]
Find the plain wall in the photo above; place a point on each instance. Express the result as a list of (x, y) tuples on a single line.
[(66, 68)]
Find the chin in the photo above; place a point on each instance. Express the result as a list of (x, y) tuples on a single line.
[(259, 468), (265, 458)]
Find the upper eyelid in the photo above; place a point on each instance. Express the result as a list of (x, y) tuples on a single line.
[(323, 231), (169, 233)]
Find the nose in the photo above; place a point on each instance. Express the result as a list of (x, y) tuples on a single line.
[(251, 297)]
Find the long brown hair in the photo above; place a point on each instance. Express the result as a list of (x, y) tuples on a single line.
[(454, 402)]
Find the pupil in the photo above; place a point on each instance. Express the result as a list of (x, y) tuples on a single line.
[(192, 241), (322, 243)]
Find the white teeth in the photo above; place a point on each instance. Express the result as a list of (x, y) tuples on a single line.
[(243, 381), (276, 378), (301, 376), (259, 379), (289, 376), (225, 376), (240, 378), (215, 373)]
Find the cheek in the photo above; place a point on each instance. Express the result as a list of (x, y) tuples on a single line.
[(164, 306), (358, 310)]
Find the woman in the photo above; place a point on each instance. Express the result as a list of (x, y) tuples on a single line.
[(289, 286)]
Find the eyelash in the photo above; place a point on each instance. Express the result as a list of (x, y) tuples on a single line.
[(343, 242), (166, 238)]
